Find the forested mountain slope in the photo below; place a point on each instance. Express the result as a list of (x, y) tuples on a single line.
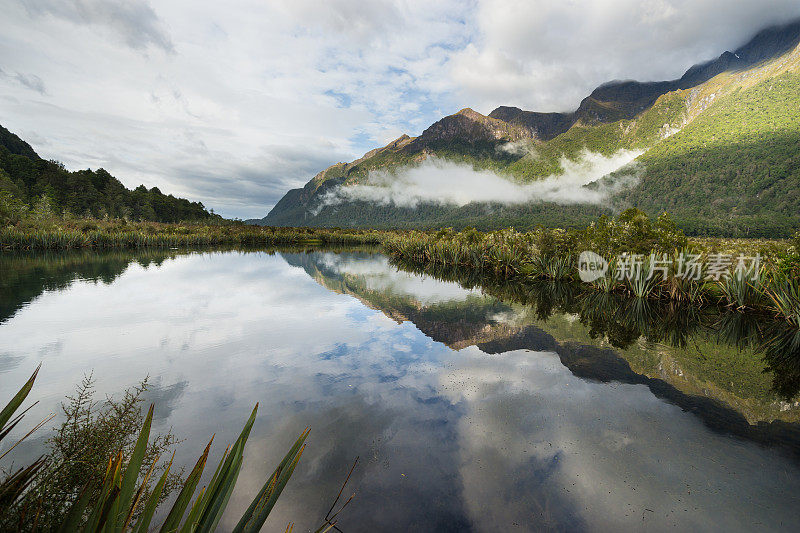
[(720, 152), (31, 182)]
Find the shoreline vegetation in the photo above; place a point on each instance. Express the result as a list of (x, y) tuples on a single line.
[(770, 284), (79, 233), (538, 268), (104, 472)]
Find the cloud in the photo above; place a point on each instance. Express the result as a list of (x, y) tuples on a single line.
[(546, 56), (133, 21), (568, 453), (30, 81), (467, 438), (213, 120), (521, 147), (438, 181), (202, 99), (378, 275)]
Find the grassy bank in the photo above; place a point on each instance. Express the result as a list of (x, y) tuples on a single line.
[(77, 233), (770, 284)]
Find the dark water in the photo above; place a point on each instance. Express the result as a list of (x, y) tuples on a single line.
[(513, 409)]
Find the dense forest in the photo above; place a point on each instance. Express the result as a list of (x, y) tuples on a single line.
[(29, 183), (737, 165)]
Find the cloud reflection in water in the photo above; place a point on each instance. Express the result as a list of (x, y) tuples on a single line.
[(448, 440)]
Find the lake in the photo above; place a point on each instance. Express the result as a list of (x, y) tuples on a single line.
[(471, 407)]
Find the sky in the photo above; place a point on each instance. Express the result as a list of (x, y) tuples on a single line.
[(233, 103)]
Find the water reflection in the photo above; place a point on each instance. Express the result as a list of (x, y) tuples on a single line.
[(772, 345), (511, 407)]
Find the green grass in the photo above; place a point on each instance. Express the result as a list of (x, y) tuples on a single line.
[(128, 492), (551, 254), (505, 254), (66, 234)]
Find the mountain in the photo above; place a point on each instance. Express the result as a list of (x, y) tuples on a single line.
[(625, 99), (719, 151), (605, 346), (28, 179), (15, 145)]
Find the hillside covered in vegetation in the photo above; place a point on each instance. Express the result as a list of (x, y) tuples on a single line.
[(29, 183), (718, 150)]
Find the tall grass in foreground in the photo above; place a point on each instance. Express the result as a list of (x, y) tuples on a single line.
[(122, 501)]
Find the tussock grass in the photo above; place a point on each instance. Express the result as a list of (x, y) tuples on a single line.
[(101, 234), (784, 294), (551, 255)]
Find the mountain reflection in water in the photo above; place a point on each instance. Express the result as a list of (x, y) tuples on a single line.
[(472, 406)]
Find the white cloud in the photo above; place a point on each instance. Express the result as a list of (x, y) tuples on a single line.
[(228, 104), (546, 56), (445, 182), (132, 21), (234, 103), (599, 453), (492, 438), (378, 275)]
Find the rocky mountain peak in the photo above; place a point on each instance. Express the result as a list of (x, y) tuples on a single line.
[(469, 126)]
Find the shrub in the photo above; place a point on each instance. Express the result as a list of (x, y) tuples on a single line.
[(122, 499), (79, 450), (11, 209), (632, 231)]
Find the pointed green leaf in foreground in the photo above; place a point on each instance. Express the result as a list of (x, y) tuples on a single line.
[(264, 501), (73, 519), (128, 484), (13, 486), (173, 520), (266, 507), (138, 496), (194, 513), (149, 510), (220, 492), (202, 499), (108, 494), (9, 410), (106, 508)]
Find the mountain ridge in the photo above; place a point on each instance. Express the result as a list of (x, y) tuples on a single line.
[(15, 145), (618, 99), (617, 114)]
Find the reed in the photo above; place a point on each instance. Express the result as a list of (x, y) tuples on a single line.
[(744, 289), (124, 500), (784, 294), (151, 235)]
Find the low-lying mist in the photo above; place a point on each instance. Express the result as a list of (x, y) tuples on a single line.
[(439, 181)]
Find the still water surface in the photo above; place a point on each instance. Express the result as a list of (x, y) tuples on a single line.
[(468, 412)]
